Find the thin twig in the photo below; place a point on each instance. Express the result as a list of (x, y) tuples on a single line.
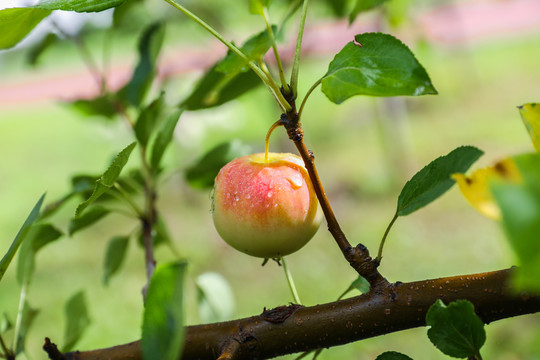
[(86, 56), (231, 350)]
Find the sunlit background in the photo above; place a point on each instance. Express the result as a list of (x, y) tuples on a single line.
[(483, 57)]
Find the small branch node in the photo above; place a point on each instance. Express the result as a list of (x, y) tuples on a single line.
[(52, 350), (280, 314)]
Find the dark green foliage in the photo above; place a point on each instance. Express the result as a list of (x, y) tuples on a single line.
[(38, 236), (148, 119), (229, 78), (216, 88), (102, 105), (114, 256), (76, 313), (254, 48), (145, 71), (109, 177), (360, 284), (163, 139), (339, 7), (520, 209), (203, 172), (257, 6), (21, 235), (456, 330), (163, 321), (375, 64), (434, 179), (79, 5), (392, 355), (89, 217), (16, 23), (364, 5)]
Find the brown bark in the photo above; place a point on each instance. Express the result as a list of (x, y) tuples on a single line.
[(291, 329)]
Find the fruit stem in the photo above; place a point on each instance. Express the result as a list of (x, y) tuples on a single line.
[(268, 134), (290, 281)]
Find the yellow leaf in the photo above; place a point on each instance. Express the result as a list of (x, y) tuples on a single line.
[(475, 188), (530, 114)]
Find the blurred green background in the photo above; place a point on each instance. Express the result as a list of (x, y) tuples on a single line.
[(365, 150)]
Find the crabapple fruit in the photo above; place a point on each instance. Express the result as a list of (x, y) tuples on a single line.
[(266, 209)]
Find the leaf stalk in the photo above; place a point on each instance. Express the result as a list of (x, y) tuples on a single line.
[(298, 49), (381, 245)]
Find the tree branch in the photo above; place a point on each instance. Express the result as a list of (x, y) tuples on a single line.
[(292, 329)]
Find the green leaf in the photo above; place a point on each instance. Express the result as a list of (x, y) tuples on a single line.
[(164, 138), (257, 6), (360, 284), (16, 23), (254, 48), (214, 298), (434, 179), (34, 214), (375, 64), (37, 50), (38, 236), (78, 5), (148, 119), (76, 313), (145, 71), (5, 324), (114, 257), (90, 216), (520, 208), (163, 321), (397, 12), (455, 329), (392, 355), (201, 175), (216, 88), (122, 12), (339, 7), (102, 105), (364, 5), (107, 180), (113, 172)]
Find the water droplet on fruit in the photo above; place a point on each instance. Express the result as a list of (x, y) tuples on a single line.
[(236, 198), (295, 180), (248, 196), (269, 194)]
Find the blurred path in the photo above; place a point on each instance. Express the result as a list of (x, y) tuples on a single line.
[(452, 24)]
